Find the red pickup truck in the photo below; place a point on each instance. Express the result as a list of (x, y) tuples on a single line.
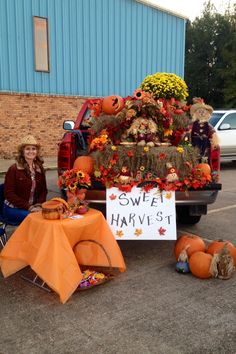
[(189, 206)]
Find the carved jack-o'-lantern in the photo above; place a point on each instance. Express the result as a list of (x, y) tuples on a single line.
[(112, 104)]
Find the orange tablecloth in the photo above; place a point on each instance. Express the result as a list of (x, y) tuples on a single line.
[(47, 246)]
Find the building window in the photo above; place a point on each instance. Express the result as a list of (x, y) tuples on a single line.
[(41, 45)]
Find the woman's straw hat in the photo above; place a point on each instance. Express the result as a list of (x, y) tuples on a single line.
[(28, 140)]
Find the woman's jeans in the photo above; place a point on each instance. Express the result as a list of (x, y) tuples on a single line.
[(14, 215)]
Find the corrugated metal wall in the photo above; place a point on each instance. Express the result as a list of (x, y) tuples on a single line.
[(97, 47)]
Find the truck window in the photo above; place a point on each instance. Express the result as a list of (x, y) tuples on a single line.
[(230, 119), (215, 118), (85, 124)]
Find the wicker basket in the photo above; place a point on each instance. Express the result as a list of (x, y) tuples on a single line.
[(108, 271), (54, 209)]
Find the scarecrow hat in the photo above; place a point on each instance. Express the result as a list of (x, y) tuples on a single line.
[(199, 103)]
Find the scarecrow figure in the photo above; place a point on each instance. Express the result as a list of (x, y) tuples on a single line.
[(222, 265), (203, 134), (143, 131), (172, 174), (125, 175)]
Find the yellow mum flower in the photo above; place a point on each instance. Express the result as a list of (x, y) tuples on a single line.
[(165, 85), (180, 149)]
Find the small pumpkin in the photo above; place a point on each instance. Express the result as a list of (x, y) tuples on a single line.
[(112, 104), (199, 264), (82, 209), (191, 243), (85, 164), (216, 246), (204, 168)]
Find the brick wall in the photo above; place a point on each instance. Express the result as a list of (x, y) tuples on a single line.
[(39, 115)]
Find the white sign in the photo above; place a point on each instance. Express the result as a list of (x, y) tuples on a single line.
[(140, 215)]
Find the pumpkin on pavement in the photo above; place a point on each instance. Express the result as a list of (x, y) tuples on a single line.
[(190, 243), (216, 246), (199, 264)]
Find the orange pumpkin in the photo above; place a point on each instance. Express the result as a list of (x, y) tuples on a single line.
[(192, 243), (199, 264), (204, 168), (216, 246), (85, 164), (112, 104)]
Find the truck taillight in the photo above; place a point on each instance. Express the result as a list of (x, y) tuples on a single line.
[(66, 156), (215, 159)]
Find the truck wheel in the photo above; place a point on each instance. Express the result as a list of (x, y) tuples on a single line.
[(184, 217)]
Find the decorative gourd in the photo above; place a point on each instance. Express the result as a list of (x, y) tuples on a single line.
[(192, 243), (199, 264), (182, 267), (82, 209), (85, 164), (216, 246), (112, 104), (204, 168)]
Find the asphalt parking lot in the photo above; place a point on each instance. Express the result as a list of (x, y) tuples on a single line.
[(148, 309)]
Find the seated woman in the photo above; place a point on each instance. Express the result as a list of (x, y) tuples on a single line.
[(25, 182)]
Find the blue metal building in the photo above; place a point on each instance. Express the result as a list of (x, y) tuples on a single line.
[(96, 47)]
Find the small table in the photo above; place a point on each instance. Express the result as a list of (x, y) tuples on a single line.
[(47, 246)]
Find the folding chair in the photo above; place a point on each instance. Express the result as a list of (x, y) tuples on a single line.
[(3, 220), (3, 236)]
